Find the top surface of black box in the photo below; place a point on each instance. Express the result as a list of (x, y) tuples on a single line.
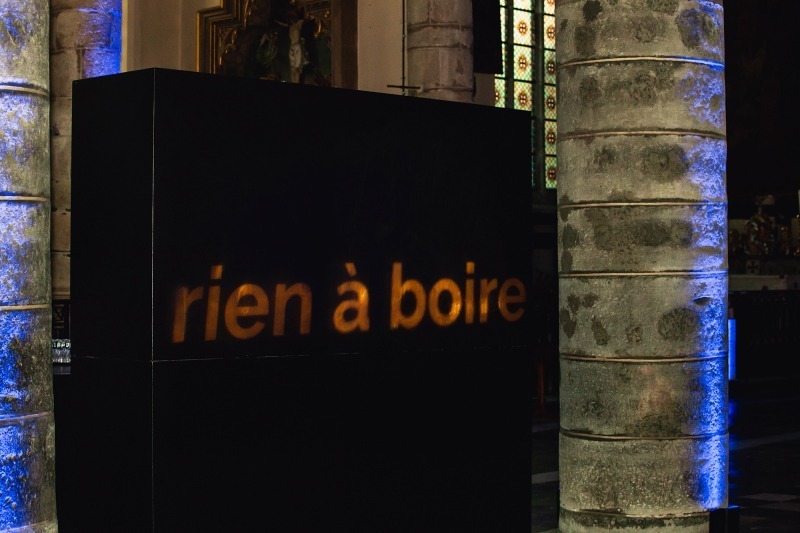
[(227, 217)]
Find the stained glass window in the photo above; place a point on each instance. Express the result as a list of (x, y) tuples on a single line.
[(548, 85), (528, 78)]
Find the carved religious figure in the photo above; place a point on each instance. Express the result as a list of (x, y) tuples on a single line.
[(283, 40)]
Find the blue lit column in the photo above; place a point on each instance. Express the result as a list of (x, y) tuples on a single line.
[(85, 42), (643, 264), (27, 437)]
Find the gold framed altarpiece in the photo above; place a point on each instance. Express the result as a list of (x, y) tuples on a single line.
[(300, 41)]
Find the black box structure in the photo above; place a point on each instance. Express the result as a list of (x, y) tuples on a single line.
[(296, 309)]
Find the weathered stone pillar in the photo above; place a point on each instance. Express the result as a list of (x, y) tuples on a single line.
[(85, 41), (440, 49), (643, 264), (27, 434)]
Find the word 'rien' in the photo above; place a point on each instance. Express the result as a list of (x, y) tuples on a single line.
[(247, 307)]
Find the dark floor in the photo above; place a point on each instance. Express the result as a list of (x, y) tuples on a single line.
[(764, 458)]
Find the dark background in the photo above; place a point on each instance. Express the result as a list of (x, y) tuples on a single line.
[(762, 104)]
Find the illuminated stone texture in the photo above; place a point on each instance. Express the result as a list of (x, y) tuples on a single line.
[(440, 49), (25, 255), (27, 445), (85, 41), (27, 460), (643, 264)]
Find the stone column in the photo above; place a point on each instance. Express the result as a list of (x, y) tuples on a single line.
[(440, 49), (85, 41), (643, 264), (27, 434)]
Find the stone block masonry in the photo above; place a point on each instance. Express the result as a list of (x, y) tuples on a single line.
[(85, 41)]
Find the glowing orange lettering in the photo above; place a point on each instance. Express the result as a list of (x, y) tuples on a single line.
[(234, 310), (183, 299), (399, 289), (282, 295), (505, 299)]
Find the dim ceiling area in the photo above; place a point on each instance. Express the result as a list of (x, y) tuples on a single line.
[(761, 56)]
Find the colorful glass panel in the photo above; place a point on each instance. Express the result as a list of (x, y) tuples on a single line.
[(550, 172), (523, 96), (523, 63), (499, 92), (523, 4), (502, 23), (550, 67), (549, 93), (523, 28), (550, 103), (550, 32), (550, 137)]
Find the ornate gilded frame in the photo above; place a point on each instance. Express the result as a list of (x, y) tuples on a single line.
[(215, 24)]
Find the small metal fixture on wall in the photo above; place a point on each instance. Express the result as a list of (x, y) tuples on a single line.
[(403, 85)]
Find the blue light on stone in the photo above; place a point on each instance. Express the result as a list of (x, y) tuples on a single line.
[(731, 349), (27, 495), (707, 165), (23, 252), (13, 475), (27, 443), (101, 60), (9, 449), (711, 473), (706, 92)]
